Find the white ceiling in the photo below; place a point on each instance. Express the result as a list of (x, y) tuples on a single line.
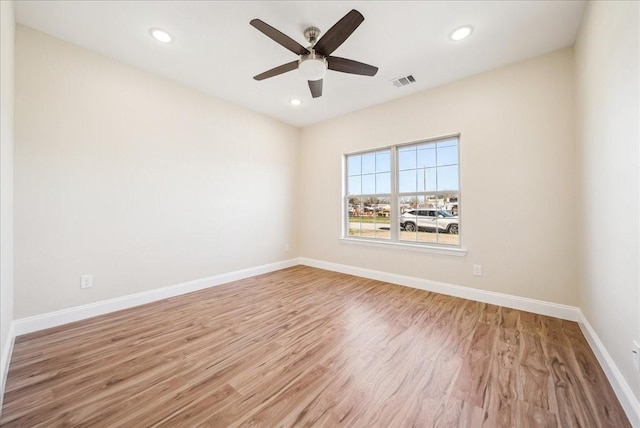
[(216, 50)]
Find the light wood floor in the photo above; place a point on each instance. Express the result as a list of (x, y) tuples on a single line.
[(305, 347)]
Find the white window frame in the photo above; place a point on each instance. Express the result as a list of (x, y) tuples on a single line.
[(394, 240)]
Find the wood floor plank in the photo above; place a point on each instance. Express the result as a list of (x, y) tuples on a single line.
[(281, 404), (310, 347), (461, 330), (501, 396), (472, 382), (346, 371), (509, 326), (574, 405), (458, 413), (433, 391), (490, 314), (599, 389), (397, 378), (530, 416), (534, 379)]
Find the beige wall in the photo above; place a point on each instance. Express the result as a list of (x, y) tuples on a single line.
[(608, 106), (137, 180), (517, 179), (7, 28)]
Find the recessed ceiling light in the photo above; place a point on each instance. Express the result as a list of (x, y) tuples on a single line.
[(160, 35), (295, 102), (461, 33)]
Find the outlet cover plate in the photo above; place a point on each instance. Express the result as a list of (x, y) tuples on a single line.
[(86, 281), (477, 270)]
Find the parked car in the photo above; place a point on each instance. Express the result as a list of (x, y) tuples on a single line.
[(429, 219)]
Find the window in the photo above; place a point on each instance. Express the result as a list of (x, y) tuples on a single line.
[(405, 194)]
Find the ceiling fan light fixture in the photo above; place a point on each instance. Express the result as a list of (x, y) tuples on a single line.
[(313, 61), (461, 33), (312, 67), (160, 35)]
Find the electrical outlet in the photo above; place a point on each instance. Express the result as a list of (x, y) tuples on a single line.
[(286, 248), (86, 281), (636, 355), (477, 270)]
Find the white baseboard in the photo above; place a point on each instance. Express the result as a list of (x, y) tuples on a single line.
[(521, 303), (65, 316), (623, 391), (5, 359)]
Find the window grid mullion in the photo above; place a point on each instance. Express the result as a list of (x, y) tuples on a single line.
[(394, 223)]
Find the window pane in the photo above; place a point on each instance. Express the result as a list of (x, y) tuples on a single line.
[(382, 218), (354, 185), (353, 165), (407, 158), (426, 223), (428, 235), (383, 161), (447, 155), (451, 203), (415, 223), (410, 202), (406, 232), (383, 183), (426, 179), (431, 202), (448, 178), (368, 163), (354, 227), (447, 238), (448, 143), (426, 156), (368, 184), (369, 217), (354, 211), (449, 222), (442, 227), (407, 181)]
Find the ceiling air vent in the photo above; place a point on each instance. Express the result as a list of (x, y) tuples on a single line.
[(403, 81)]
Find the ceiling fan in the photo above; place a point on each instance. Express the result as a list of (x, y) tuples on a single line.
[(316, 59)]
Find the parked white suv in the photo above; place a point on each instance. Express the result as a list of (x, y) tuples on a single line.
[(429, 219)]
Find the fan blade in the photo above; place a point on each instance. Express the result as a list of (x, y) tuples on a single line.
[(316, 88), (350, 66), (277, 70), (279, 37), (337, 34)]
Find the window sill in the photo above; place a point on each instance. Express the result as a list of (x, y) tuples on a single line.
[(449, 251)]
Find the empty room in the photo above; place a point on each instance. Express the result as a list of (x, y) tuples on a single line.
[(320, 213)]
